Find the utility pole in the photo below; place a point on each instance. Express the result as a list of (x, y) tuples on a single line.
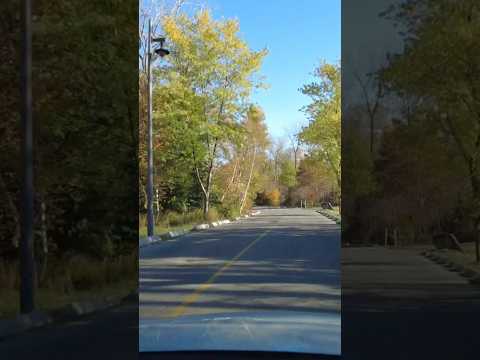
[(27, 303), (150, 218), (161, 52)]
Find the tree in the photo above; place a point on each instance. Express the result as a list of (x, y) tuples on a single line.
[(257, 137), (372, 102), (216, 69), (288, 174), (295, 143), (86, 125), (314, 182), (323, 135), (276, 150), (440, 67), (155, 12)]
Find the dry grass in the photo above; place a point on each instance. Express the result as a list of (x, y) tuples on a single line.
[(467, 258), (74, 279), (49, 299), (172, 221)]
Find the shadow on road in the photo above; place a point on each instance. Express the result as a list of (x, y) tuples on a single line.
[(402, 306), (293, 268)]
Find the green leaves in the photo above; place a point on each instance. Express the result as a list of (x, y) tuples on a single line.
[(199, 95), (323, 134)]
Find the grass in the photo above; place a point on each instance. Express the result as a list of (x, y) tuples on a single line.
[(467, 258), (50, 299), (160, 229), (75, 278), (173, 221)]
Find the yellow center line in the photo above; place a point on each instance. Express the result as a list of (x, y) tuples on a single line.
[(190, 299)]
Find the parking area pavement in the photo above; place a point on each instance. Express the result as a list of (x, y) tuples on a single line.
[(397, 304)]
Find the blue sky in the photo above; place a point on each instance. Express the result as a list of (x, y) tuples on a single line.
[(298, 34)]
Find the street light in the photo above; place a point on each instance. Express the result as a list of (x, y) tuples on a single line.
[(161, 51), (27, 304)]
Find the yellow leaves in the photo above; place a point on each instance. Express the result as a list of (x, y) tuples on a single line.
[(175, 33), (229, 30), (204, 20), (211, 56), (206, 28), (274, 197), (231, 27)]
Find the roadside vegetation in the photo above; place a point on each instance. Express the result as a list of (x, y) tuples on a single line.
[(412, 147), (71, 279), (85, 153), (213, 156), (465, 258)]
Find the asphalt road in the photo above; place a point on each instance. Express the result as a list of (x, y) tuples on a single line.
[(395, 304), (281, 259), (110, 334), (399, 305)]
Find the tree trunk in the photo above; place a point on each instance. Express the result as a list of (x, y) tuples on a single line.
[(230, 182), (249, 179), (206, 195), (206, 204), (145, 196), (206, 188), (295, 158)]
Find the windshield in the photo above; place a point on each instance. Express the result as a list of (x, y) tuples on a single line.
[(240, 176)]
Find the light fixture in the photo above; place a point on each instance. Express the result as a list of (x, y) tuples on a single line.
[(161, 50)]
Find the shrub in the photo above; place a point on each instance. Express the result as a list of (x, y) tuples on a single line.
[(9, 275), (274, 197), (212, 215), (85, 273), (261, 198), (173, 218), (123, 267), (194, 216), (229, 211)]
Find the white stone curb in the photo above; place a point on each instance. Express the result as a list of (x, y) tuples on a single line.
[(174, 234), (26, 322), (202, 227), (148, 241)]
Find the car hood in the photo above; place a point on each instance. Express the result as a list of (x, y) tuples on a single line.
[(285, 331)]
